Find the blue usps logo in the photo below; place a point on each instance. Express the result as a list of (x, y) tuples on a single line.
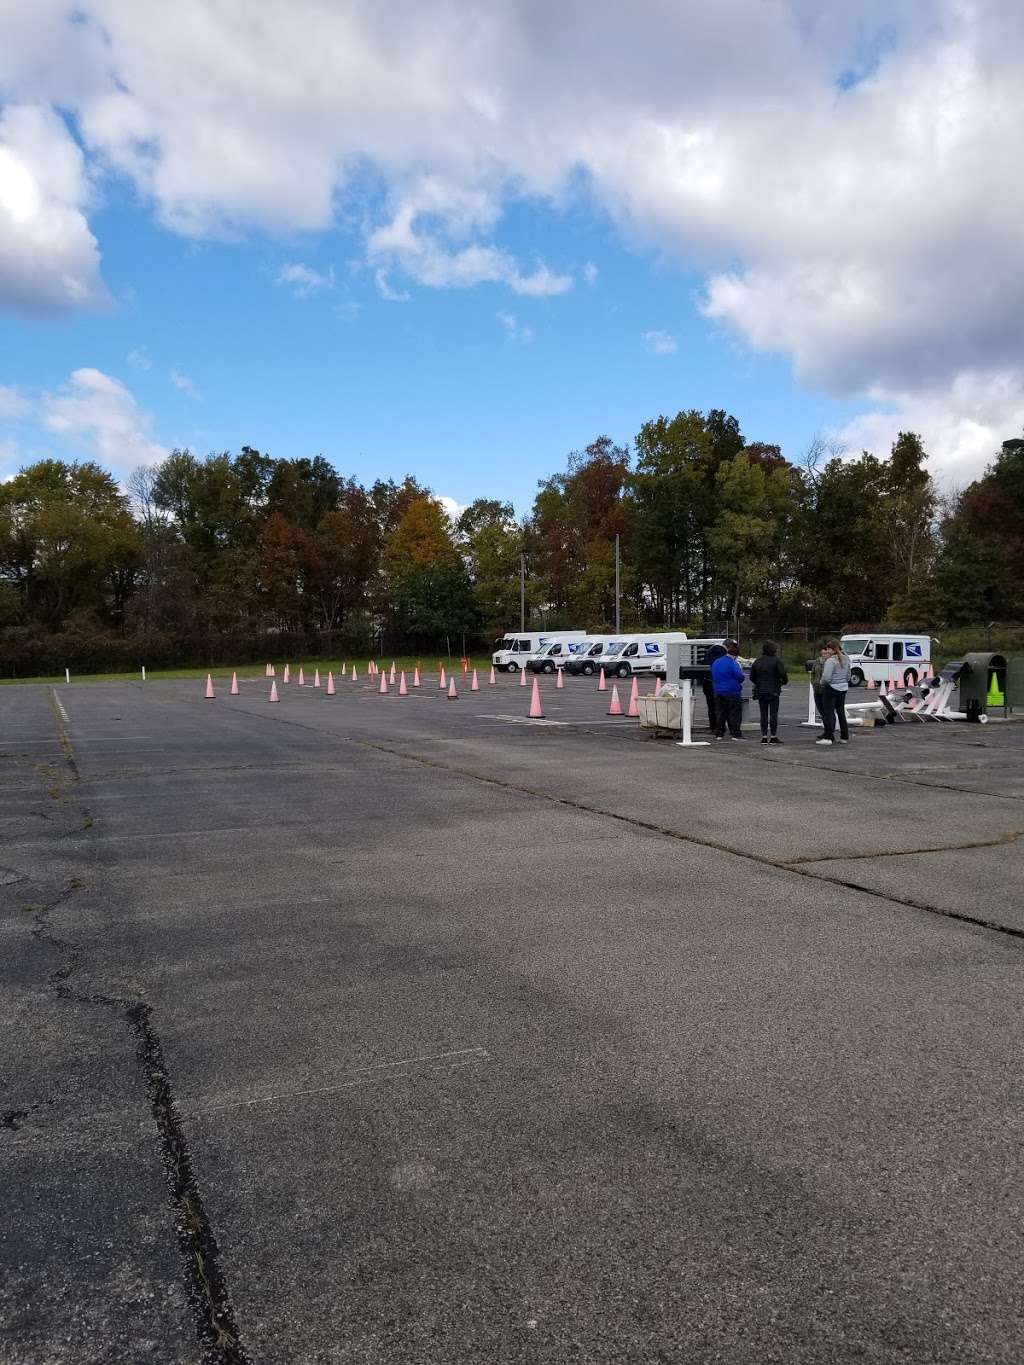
[(913, 651), (652, 648)]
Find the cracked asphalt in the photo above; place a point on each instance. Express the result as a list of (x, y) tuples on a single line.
[(368, 1029)]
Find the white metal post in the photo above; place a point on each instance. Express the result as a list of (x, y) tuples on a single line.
[(687, 741), (812, 719)]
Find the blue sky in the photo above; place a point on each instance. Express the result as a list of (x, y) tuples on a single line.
[(461, 241), (476, 391)]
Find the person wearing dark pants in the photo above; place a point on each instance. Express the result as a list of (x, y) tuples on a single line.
[(727, 678), (768, 676), (835, 682), (708, 687)]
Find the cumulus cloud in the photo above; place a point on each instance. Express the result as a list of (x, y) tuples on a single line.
[(849, 194), (303, 281), (138, 358), (49, 260), (96, 411), (453, 509), (659, 343), (184, 384)]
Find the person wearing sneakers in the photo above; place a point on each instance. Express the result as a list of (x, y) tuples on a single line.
[(768, 676), (727, 679), (835, 682)]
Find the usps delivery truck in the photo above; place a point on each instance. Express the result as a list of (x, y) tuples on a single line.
[(907, 658), (511, 652)]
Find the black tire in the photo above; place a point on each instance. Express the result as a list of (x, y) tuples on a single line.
[(856, 678), (547, 667), (512, 668), (587, 670), (621, 670), (910, 677)]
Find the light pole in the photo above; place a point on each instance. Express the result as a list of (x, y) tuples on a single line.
[(522, 594), (618, 623)]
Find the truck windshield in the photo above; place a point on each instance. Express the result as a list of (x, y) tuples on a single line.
[(504, 642), (616, 648), (594, 649), (855, 646)]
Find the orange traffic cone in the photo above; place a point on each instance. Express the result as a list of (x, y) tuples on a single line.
[(559, 681), (302, 677), (383, 689), (209, 687), (453, 691), (602, 682), (403, 691), (536, 713), (522, 677), (442, 682), (330, 684), (870, 684), (634, 693), (316, 678), (657, 687), (287, 673), (233, 691), (474, 686), (392, 678), (615, 709), (267, 672), (273, 692), (416, 676), (355, 675), (493, 678)]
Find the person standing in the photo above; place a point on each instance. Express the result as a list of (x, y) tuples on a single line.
[(715, 651), (816, 670), (768, 676), (835, 683), (727, 678)]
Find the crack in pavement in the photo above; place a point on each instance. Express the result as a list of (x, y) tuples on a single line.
[(205, 1282), (1010, 837)]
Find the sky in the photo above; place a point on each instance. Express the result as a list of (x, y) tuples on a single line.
[(462, 241)]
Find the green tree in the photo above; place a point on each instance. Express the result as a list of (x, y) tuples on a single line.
[(492, 542)]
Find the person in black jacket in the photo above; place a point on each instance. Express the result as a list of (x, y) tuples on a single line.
[(768, 676), (707, 687)]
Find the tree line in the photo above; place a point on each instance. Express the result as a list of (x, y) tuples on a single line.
[(198, 559)]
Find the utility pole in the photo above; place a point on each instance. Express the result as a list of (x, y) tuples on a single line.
[(522, 593), (618, 614)]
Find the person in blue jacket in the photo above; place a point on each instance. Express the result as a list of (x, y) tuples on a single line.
[(727, 679)]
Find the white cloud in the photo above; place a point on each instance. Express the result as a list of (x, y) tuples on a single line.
[(963, 426), (49, 261), (303, 281), (849, 196), (139, 359), (13, 403), (96, 411), (184, 384), (590, 273), (514, 329), (453, 509), (659, 343)]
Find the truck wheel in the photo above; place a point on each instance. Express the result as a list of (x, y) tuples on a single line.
[(549, 668), (622, 670), (512, 668), (587, 669), (856, 678)]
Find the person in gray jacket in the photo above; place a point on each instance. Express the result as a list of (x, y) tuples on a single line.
[(835, 682)]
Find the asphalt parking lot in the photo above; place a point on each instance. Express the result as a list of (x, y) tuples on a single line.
[(380, 1029)]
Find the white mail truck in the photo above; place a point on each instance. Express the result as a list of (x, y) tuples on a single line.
[(881, 657)]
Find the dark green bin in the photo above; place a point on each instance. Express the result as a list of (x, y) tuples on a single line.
[(1015, 682), (976, 679)]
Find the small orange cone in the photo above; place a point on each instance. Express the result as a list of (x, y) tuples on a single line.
[(615, 709), (870, 684), (287, 674), (383, 689), (634, 693), (316, 678), (302, 677), (416, 676), (464, 663), (403, 691), (559, 680), (522, 677), (602, 682), (536, 713), (453, 691), (273, 692), (442, 682), (493, 678), (273, 672), (474, 686), (355, 675), (209, 687), (344, 670), (657, 687), (233, 691), (267, 672), (392, 678), (330, 685)]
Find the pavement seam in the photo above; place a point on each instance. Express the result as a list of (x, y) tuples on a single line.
[(205, 1283), (1010, 837)]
